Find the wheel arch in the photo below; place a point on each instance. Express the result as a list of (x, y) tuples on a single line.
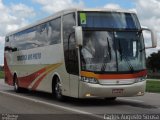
[(14, 76), (54, 77)]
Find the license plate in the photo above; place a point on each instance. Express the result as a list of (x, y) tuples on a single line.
[(117, 91)]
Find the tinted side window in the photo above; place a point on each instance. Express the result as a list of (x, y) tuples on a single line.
[(48, 33), (70, 50), (55, 27)]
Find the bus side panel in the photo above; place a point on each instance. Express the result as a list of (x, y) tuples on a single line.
[(46, 84), (74, 86), (37, 74), (7, 70)]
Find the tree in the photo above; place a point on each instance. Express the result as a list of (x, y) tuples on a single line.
[(1, 68), (153, 61)]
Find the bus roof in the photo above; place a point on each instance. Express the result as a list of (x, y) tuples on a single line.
[(66, 11)]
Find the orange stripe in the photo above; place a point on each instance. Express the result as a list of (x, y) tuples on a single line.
[(114, 76), (38, 82), (88, 74), (25, 81), (48, 70)]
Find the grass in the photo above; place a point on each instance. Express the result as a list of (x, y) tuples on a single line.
[(1, 74), (153, 86)]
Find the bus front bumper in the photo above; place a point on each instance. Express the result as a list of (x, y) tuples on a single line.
[(88, 90)]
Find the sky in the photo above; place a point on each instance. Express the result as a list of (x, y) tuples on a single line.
[(18, 13)]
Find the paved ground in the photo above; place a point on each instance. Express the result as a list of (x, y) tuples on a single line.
[(43, 104)]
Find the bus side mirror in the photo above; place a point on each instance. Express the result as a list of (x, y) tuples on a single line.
[(153, 37), (78, 35)]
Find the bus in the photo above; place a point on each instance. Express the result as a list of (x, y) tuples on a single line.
[(80, 53)]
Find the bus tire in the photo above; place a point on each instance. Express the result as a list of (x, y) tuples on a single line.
[(111, 98), (57, 91), (17, 89)]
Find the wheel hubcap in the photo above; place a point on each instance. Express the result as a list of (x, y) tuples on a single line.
[(58, 89), (16, 86)]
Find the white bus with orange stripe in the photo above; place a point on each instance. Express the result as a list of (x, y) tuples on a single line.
[(81, 53)]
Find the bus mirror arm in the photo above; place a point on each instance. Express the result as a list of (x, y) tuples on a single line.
[(78, 35), (153, 37)]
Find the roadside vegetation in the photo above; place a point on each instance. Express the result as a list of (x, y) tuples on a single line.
[(153, 86), (1, 74), (153, 65)]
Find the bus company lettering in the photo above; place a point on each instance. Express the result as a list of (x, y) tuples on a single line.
[(33, 56)]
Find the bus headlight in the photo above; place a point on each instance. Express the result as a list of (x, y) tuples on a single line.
[(140, 79), (89, 80)]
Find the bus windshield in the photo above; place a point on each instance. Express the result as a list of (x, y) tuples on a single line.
[(113, 42), (109, 20), (105, 51)]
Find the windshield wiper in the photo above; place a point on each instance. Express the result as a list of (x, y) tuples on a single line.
[(125, 58), (106, 57), (141, 50)]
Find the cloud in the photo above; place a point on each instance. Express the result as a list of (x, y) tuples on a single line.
[(148, 9), (22, 11), (112, 6), (1, 40), (13, 17), (148, 14), (52, 6), (1, 49)]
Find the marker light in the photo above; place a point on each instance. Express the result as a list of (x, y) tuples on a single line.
[(88, 95), (140, 79), (140, 93)]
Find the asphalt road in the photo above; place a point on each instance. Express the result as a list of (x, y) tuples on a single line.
[(37, 105)]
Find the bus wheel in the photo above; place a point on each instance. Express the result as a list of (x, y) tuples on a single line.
[(16, 85), (110, 99), (58, 90)]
